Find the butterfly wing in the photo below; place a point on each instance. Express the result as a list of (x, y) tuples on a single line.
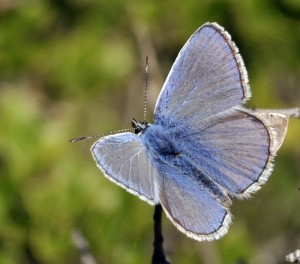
[(123, 160), (235, 150), (190, 206), (207, 77)]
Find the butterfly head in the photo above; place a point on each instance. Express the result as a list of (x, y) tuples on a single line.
[(139, 127)]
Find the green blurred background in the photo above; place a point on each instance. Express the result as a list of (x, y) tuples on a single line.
[(74, 68)]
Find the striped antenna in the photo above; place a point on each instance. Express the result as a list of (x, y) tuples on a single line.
[(126, 129), (101, 135), (146, 87)]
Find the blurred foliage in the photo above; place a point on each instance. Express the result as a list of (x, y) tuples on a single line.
[(71, 68)]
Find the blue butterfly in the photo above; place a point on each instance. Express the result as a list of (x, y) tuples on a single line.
[(203, 149)]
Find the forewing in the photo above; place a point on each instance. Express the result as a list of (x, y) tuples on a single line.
[(123, 160), (235, 149), (190, 206), (207, 77)]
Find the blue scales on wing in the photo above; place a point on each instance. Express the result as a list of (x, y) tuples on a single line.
[(234, 150), (123, 160), (207, 77)]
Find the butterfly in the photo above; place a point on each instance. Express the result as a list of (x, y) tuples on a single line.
[(203, 149)]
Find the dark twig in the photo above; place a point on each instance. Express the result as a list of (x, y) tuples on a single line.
[(158, 251)]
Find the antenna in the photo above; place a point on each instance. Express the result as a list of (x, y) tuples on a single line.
[(100, 135), (126, 129), (146, 87)]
